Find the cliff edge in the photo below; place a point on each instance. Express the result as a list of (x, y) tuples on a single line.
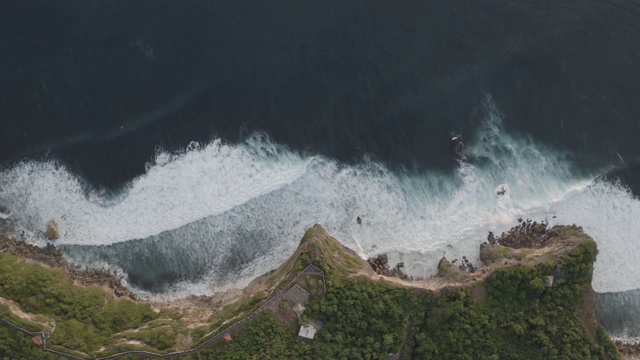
[(530, 299)]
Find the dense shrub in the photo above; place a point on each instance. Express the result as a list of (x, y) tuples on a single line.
[(18, 346), (85, 316)]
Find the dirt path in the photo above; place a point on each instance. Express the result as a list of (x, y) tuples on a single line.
[(434, 283)]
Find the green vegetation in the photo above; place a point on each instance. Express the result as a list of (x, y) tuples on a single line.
[(321, 250), (265, 338), (520, 318), (86, 318), (365, 319), (51, 234), (361, 318), (18, 346), (8, 315), (160, 338), (234, 312)]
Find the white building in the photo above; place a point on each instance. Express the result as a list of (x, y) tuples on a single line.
[(307, 332)]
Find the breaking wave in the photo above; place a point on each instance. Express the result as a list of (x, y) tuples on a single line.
[(218, 215), (175, 190)]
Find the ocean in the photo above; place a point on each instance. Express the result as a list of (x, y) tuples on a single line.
[(188, 144)]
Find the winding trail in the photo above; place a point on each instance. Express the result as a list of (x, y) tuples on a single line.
[(43, 336)]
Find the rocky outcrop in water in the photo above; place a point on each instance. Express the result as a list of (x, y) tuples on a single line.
[(52, 232), (381, 266)]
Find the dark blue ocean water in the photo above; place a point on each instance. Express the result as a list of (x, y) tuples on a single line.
[(103, 87), (100, 84)]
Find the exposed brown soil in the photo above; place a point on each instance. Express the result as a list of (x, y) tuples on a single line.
[(44, 322), (527, 244), (557, 241)]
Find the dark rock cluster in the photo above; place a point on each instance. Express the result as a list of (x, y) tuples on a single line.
[(381, 266), (465, 265), (448, 270), (528, 234), (49, 255)]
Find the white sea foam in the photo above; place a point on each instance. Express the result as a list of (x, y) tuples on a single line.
[(201, 196), (176, 190)]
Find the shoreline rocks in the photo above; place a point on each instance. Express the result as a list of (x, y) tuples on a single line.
[(381, 267), (448, 270), (52, 256)]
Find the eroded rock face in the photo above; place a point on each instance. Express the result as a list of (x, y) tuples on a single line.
[(444, 267), (52, 230), (534, 235), (381, 266), (448, 270), (527, 238)]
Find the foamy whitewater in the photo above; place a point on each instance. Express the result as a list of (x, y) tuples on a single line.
[(201, 203)]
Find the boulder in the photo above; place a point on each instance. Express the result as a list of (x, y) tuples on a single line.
[(52, 230), (372, 263), (444, 264), (539, 229), (449, 271), (491, 238)]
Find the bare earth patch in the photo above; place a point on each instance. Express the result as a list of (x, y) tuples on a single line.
[(36, 319)]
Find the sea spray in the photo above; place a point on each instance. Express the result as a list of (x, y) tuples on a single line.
[(223, 213), (179, 189), (422, 215)]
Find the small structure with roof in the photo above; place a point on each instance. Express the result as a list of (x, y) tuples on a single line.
[(307, 332), (36, 340), (299, 309), (227, 338)]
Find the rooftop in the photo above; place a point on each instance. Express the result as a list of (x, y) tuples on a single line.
[(307, 331)]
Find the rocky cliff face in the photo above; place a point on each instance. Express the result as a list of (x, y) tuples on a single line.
[(528, 244)]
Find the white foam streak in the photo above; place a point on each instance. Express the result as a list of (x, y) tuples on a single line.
[(208, 192), (179, 189), (608, 213)]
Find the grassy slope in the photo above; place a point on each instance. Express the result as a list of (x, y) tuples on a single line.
[(363, 318), (366, 319), (85, 318)]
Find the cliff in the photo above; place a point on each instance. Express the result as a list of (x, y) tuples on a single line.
[(529, 300)]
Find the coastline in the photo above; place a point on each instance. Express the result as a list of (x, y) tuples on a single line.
[(209, 315), (51, 257)]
